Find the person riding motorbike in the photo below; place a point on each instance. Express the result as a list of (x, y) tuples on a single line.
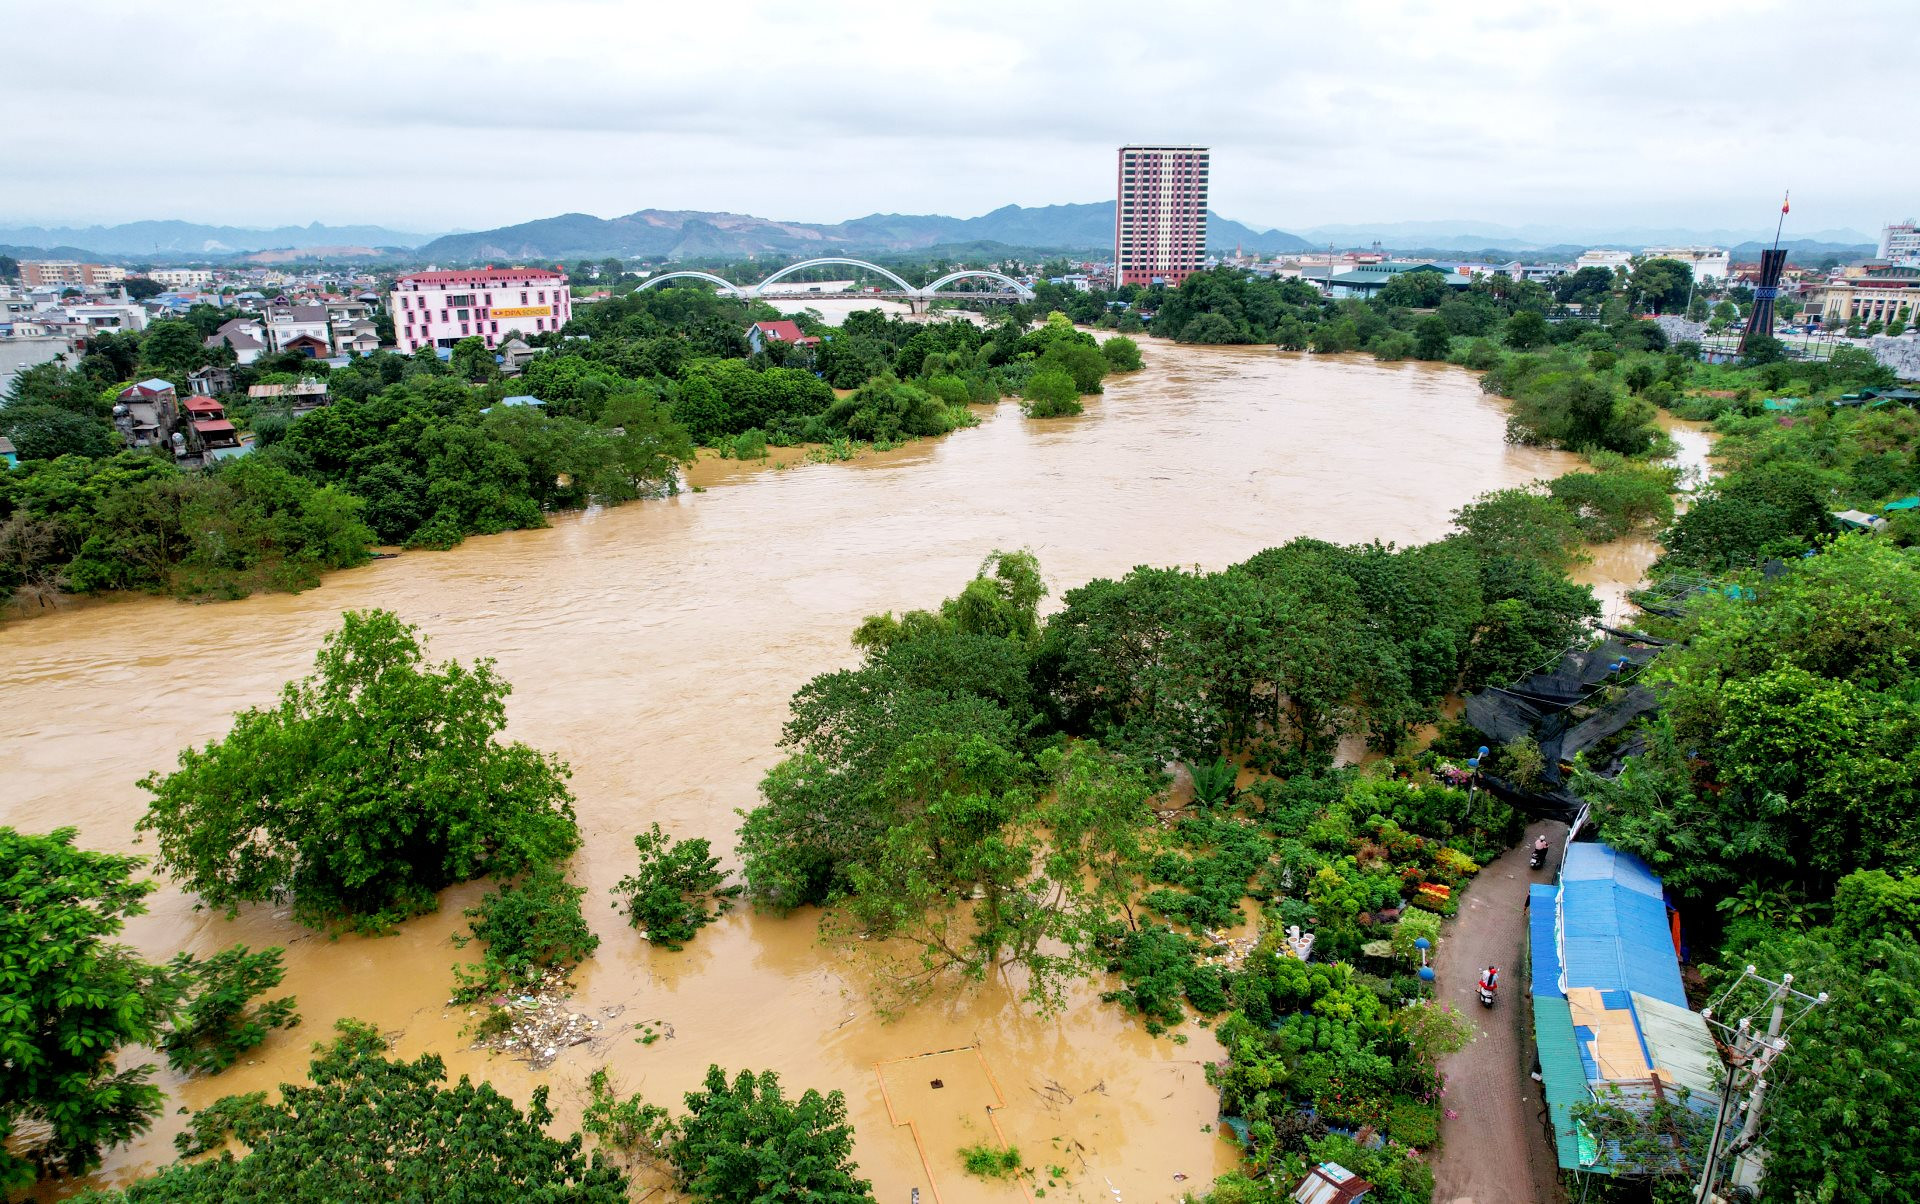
[(1489, 983), (1540, 847)]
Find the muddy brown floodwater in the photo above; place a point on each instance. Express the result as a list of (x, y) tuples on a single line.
[(655, 646)]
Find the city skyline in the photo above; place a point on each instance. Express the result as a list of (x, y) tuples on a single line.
[(1503, 115)]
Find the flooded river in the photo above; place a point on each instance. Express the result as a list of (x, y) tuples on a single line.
[(655, 647)]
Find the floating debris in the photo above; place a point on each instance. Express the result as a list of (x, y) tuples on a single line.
[(537, 1025)]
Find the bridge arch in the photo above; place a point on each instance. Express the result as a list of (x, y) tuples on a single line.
[(726, 286), (950, 277), (906, 288)]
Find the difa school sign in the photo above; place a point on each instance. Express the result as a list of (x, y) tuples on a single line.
[(524, 311)]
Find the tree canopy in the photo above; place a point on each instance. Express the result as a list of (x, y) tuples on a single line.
[(369, 786), (71, 999), (369, 1128)]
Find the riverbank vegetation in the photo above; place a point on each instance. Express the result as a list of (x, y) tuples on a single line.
[(978, 798), (420, 452)]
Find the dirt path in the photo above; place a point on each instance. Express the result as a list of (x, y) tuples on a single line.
[(1493, 1145)]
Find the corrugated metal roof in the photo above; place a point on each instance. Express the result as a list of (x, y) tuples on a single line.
[(1613, 920), (1678, 1044), (1543, 941), (1561, 1073)]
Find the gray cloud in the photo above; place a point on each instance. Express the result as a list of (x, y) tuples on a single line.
[(430, 114)]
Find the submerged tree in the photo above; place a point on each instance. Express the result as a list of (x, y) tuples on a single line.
[(371, 785)]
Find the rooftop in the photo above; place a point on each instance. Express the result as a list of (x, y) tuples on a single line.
[(1609, 1011), (486, 275)]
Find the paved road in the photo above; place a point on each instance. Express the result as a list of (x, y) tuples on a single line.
[(1495, 1146)]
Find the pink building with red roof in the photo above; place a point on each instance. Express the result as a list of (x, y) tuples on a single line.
[(438, 309)]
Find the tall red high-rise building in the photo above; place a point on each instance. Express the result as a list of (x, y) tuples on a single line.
[(1160, 220)]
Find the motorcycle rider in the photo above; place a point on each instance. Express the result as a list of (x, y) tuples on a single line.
[(1540, 846), (1490, 979)]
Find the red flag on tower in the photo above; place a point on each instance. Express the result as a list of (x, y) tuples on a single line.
[(1783, 202)]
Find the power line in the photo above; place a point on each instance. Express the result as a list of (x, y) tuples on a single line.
[(1750, 1054)]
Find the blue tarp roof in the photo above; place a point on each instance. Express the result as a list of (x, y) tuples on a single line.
[(1541, 940), (1616, 936)]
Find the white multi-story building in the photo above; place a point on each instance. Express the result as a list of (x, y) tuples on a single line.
[(1900, 243), (438, 309), (181, 277), (1603, 259), (1708, 263)]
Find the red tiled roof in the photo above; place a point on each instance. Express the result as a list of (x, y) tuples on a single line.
[(482, 275), (213, 426), (786, 332), (203, 405)]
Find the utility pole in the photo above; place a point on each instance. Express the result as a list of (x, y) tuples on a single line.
[(1750, 1055)]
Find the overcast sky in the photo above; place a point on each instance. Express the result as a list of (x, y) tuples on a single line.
[(427, 115)]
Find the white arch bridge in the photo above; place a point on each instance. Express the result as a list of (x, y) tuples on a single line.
[(916, 298)]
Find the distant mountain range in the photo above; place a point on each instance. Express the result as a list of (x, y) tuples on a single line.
[(691, 234), (175, 240), (1474, 236), (683, 234)]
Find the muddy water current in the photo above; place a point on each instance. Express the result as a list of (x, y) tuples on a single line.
[(655, 646)]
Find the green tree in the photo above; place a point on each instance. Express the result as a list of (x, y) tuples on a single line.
[(1660, 285), (1520, 523), (1432, 338), (43, 432), (678, 890), (369, 786), (745, 1143), (1121, 353), (171, 349), (366, 1129), (218, 1020), (1422, 288), (1527, 330), (472, 361), (70, 1001), (1051, 393)]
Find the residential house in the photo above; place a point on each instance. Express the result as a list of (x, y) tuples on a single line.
[(211, 428), (1610, 1014), (8, 456), (145, 413), (515, 354), (519, 399), (1369, 278), (288, 322), (209, 381), (355, 337), (301, 396), (784, 330), (314, 347), (244, 335)]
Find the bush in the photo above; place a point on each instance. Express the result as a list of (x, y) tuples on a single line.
[(1050, 393), (669, 898), (219, 1021), (988, 1163), (1414, 1124), (1121, 353), (528, 929)]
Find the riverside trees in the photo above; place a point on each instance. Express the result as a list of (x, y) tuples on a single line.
[(367, 1127), (72, 1000), (369, 786), (929, 796)]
